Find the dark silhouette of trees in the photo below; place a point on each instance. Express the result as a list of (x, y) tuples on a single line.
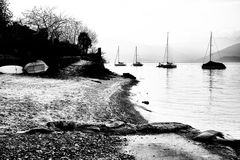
[(5, 19), (59, 26), (84, 42), (92, 35), (42, 34), (39, 18), (5, 14)]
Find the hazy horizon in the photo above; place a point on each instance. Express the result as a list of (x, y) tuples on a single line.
[(144, 23)]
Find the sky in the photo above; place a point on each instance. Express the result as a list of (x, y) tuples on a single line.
[(145, 23)]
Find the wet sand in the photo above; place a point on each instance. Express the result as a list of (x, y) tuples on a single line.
[(166, 146)]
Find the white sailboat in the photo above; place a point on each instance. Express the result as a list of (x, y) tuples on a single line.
[(136, 63), (117, 61), (166, 63), (211, 64)]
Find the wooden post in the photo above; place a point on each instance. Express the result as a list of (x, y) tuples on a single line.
[(99, 52)]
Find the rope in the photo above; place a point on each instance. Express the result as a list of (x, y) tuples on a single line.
[(206, 52), (165, 52)]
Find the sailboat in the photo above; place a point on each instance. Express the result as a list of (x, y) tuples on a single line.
[(136, 63), (167, 64), (211, 64), (117, 62)]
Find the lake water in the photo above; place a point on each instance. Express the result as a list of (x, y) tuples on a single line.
[(203, 99)]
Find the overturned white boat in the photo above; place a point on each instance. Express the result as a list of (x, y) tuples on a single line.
[(11, 69), (36, 67)]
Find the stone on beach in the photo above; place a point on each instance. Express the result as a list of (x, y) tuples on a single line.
[(145, 102), (36, 130), (209, 136), (114, 124), (212, 136)]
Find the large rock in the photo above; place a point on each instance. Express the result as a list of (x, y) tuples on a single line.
[(145, 102), (128, 75), (62, 125), (115, 127), (167, 127), (125, 129), (209, 136), (212, 136)]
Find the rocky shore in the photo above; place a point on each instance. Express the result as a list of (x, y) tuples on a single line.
[(29, 102), (88, 118)]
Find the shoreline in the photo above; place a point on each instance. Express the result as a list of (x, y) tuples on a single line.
[(137, 142), (128, 111), (107, 100)]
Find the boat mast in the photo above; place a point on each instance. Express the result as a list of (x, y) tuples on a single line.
[(116, 58), (211, 46), (167, 47), (136, 53), (118, 55)]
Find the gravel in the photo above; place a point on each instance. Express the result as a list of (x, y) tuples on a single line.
[(61, 145)]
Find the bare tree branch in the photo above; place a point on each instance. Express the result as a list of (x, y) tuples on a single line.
[(39, 18), (58, 25)]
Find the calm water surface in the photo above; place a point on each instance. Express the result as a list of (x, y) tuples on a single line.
[(201, 98)]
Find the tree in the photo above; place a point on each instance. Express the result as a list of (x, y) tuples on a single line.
[(84, 42), (39, 18), (59, 26), (92, 35), (71, 31), (5, 13)]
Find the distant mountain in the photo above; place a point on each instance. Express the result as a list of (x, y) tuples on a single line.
[(232, 51), (229, 54), (230, 59), (187, 52)]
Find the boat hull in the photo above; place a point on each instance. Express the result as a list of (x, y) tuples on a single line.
[(137, 64), (167, 66), (36, 67), (120, 64), (213, 65), (11, 69)]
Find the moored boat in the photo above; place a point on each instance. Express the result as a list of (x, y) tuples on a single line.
[(211, 64), (136, 63), (166, 63), (117, 60)]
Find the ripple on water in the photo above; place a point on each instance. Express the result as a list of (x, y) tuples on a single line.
[(202, 98)]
